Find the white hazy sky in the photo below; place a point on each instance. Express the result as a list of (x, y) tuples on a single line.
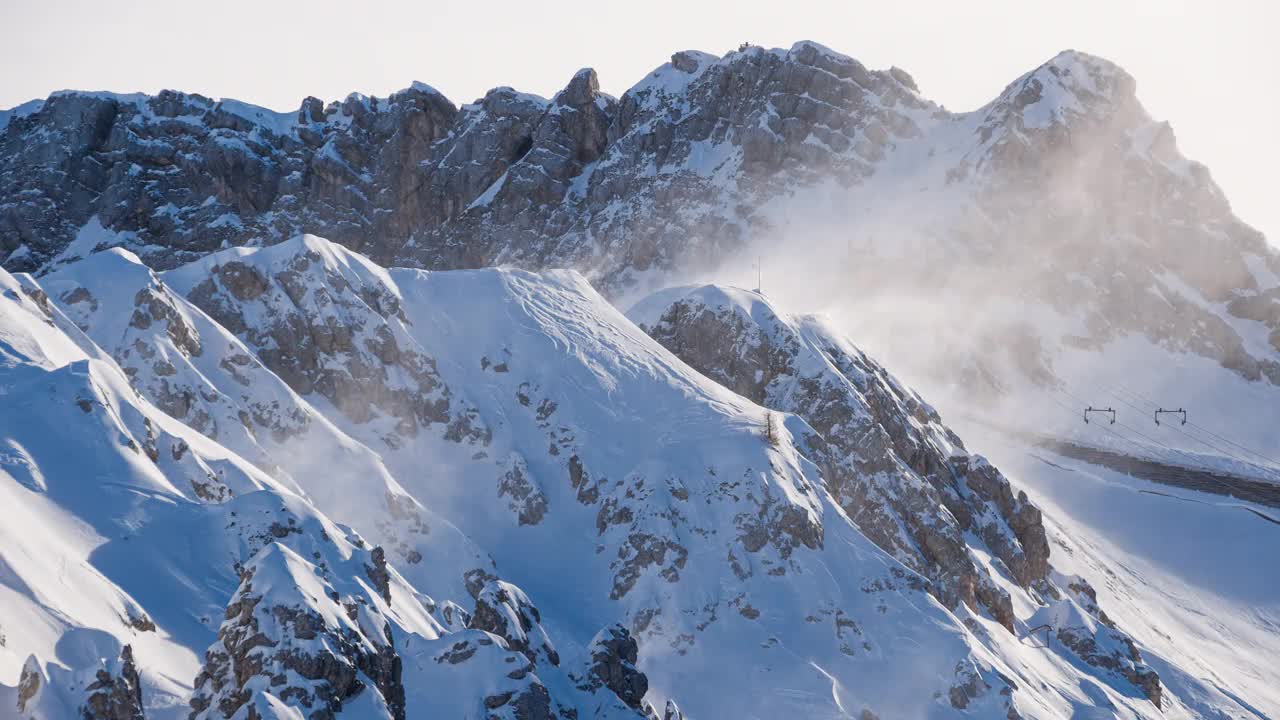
[(1210, 68)]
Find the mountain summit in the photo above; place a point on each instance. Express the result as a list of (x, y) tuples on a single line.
[(707, 159), (336, 413)]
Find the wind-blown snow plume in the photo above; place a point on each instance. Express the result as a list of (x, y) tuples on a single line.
[(259, 472)]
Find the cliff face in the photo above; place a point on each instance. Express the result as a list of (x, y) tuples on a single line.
[(1061, 192), (581, 179), (285, 477)]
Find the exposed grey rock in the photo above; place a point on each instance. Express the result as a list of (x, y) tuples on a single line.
[(115, 696), (532, 702), (524, 496), (504, 610), (440, 186), (276, 641), (504, 613), (899, 473), (897, 470), (334, 330), (675, 174), (377, 573), (30, 682), (1127, 661), (1104, 645), (614, 654)]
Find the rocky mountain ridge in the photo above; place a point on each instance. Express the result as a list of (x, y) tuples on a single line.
[(413, 180), (270, 606), (378, 485), (752, 534), (1062, 182)]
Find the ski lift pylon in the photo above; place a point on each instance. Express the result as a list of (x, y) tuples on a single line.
[(1162, 411), (1092, 409)]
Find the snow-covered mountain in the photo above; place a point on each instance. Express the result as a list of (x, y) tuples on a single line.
[(488, 493), (413, 471), (1018, 246)]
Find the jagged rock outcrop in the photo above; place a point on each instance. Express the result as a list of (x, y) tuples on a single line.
[(902, 475), (1082, 627), (30, 682), (438, 185), (611, 687), (189, 367), (227, 393), (614, 654), (109, 687), (115, 695), (289, 637), (504, 610), (328, 324), (525, 498), (693, 163), (898, 472), (206, 170)]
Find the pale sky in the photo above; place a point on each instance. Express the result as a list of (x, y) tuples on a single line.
[(1210, 68)]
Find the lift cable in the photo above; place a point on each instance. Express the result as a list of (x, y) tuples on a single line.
[(1194, 460), (1208, 432), (1272, 471), (1215, 478), (1072, 412), (1131, 441), (1137, 432)]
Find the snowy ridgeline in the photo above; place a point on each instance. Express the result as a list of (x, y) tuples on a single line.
[(1023, 256), (286, 482)]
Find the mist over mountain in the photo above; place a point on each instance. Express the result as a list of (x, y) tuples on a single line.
[(390, 407), (1059, 216)]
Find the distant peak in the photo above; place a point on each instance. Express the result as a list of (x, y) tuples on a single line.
[(1071, 58), (692, 61), (581, 90), (419, 86), (1085, 74), (1071, 84), (811, 48)]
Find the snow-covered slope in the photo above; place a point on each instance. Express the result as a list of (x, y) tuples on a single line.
[(199, 372), (128, 532), (1189, 575), (494, 495), (1046, 241), (561, 392), (85, 464)]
